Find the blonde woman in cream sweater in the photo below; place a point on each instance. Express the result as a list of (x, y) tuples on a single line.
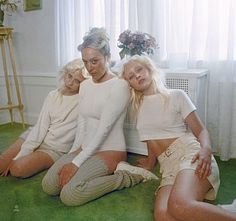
[(53, 134)]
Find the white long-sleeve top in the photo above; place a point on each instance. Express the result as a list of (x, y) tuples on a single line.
[(56, 125), (102, 111)]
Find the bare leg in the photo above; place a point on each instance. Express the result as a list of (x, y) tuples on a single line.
[(149, 162), (185, 201), (160, 208), (7, 156), (31, 164)]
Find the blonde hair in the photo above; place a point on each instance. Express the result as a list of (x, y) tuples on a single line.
[(158, 79), (72, 66)]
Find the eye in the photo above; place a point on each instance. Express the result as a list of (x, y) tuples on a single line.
[(69, 76), (131, 77), (94, 61), (139, 69), (85, 62), (77, 81)]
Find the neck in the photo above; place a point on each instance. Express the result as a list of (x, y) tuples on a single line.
[(150, 90), (66, 92), (106, 76)]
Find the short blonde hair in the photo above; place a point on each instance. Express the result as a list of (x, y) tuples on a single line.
[(72, 66)]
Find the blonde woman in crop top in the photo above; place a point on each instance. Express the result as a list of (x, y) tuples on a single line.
[(88, 171), (54, 133), (189, 171)]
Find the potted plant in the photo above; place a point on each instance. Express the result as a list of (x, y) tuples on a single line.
[(132, 43)]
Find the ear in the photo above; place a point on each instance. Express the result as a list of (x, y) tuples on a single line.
[(108, 58)]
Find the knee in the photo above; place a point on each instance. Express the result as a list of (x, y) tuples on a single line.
[(180, 208), (49, 186), (67, 197), (160, 214), (16, 170), (74, 195)]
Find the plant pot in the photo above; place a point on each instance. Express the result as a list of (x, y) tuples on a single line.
[(1, 18)]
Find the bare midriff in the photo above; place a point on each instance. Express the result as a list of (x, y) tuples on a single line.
[(160, 146)]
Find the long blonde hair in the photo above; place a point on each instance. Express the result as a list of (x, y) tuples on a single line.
[(158, 79)]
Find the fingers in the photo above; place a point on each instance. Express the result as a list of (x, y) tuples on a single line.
[(195, 157), (203, 169), (6, 172), (65, 175), (64, 179)]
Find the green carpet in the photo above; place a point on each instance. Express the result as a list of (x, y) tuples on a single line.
[(23, 199)]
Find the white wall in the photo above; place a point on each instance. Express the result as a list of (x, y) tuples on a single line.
[(35, 52), (34, 90), (34, 39)]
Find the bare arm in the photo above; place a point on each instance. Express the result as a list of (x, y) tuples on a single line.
[(204, 155)]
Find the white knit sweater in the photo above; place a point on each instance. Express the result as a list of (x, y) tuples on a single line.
[(56, 125)]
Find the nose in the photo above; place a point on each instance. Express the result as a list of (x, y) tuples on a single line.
[(89, 67), (70, 82), (137, 75)]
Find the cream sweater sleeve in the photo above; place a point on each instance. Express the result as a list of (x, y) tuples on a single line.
[(39, 131), (79, 134), (116, 105)]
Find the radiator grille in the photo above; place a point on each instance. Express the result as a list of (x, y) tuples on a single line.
[(174, 83)]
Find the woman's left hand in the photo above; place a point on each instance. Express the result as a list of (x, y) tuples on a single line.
[(66, 173), (203, 169)]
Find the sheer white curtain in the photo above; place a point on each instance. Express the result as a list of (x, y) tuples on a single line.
[(76, 17), (202, 34), (190, 33)]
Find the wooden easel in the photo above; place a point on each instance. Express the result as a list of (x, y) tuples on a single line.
[(6, 38)]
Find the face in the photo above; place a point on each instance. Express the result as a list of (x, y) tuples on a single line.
[(95, 63), (72, 81), (138, 77)]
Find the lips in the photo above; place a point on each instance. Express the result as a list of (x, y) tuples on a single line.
[(141, 81), (92, 73), (68, 87)]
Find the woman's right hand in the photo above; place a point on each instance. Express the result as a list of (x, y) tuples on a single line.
[(66, 173), (7, 170)]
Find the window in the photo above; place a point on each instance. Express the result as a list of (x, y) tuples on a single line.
[(184, 29)]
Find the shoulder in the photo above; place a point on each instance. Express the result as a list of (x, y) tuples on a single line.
[(120, 83), (86, 82), (177, 93), (181, 98), (53, 93), (120, 86), (85, 86)]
